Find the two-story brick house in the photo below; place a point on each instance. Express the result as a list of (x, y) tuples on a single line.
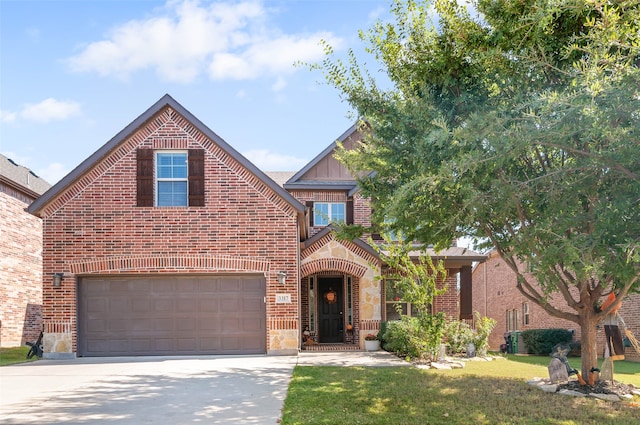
[(20, 254), (168, 241)]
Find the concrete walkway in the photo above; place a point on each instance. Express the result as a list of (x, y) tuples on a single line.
[(160, 390)]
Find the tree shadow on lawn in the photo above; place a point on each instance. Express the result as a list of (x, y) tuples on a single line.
[(329, 395), (211, 397)]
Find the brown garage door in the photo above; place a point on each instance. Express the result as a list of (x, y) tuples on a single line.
[(129, 316)]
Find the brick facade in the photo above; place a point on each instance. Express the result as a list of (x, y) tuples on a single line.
[(20, 262), (495, 295), (95, 227)]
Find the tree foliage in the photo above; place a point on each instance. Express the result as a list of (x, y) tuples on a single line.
[(518, 126)]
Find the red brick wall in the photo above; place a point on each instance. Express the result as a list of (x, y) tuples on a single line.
[(20, 270), (244, 225), (498, 282)]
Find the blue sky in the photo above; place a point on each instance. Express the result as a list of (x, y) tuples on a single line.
[(75, 73)]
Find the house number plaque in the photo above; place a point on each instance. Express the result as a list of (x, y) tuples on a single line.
[(283, 298)]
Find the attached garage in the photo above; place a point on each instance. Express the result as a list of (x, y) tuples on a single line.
[(171, 315)]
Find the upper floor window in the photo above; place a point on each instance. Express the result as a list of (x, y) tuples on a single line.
[(328, 212), (171, 179)]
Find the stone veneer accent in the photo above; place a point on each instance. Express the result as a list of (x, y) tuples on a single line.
[(337, 256)]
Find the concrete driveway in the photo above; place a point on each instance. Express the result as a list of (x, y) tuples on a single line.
[(146, 390), (160, 390)]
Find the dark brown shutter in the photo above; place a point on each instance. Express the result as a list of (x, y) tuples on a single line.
[(350, 211), (144, 177), (196, 177), (309, 205), (466, 300)]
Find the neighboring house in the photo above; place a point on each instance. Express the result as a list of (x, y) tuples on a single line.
[(20, 255), (168, 241), (495, 295)]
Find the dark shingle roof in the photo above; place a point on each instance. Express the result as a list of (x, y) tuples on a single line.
[(22, 177)]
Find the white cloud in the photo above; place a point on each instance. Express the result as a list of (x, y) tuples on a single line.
[(50, 110), (7, 116), (190, 38), (271, 161), (53, 172), (269, 56)]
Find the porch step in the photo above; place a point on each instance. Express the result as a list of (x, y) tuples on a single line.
[(331, 347)]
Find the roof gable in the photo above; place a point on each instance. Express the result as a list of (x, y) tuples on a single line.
[(146, 119), (325, 171)]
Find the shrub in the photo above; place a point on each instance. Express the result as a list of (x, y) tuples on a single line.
[(484, 326), (457, 335), (542, 341), (381, 332), (414, 337)]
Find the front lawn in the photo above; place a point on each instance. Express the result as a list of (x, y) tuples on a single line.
[(481, 393), (14, 355)]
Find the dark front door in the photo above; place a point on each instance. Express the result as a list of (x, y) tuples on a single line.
[(330, 306)]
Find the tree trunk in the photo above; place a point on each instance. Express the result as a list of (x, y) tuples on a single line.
[(589, 356)]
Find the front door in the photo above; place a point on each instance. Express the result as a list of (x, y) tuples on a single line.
[(330, 309)]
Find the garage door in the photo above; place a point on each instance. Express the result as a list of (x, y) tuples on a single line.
[(129, 316)]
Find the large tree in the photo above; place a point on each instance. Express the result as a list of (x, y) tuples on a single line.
[(518, 125)]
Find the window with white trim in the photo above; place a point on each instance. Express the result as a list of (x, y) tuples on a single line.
[(171, 179), (328, 212)]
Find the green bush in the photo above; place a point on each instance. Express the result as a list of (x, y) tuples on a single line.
[(542, 341), (484, 326), (381, 332), (457, 335), (414, 337)]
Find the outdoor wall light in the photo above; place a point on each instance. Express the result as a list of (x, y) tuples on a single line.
[(282, 276), (57, 279)]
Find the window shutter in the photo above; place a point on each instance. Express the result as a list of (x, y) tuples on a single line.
[(144, 177), (196, 177), (466, 302), (309, 205), (350, 211)]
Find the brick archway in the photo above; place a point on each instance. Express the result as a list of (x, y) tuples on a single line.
[(332, 264)]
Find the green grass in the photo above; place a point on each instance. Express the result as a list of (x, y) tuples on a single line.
[(15, 355), (481, 393), (623, 371)]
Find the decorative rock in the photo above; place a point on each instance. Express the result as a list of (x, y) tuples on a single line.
[(627, 396), (557, 371), (607, 397), (440, 366), (534, 381), (471, 350), (423, 366), (548, 388), (636, 392), (456, 365), (572, 393)]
